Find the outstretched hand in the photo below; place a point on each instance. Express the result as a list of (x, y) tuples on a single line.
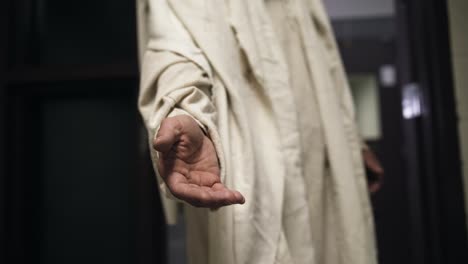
[(189, 166)]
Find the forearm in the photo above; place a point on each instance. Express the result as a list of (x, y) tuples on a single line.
[(176, 78)]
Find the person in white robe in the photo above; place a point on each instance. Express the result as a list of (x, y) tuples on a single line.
[(252, 130)]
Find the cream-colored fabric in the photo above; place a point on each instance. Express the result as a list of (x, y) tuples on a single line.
[(266, 82)]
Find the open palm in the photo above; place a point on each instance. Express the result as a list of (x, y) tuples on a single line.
[(189, 166)]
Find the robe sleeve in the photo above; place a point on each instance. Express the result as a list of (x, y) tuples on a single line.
[(175, 79)]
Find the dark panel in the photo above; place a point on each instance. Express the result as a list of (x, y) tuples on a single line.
[(87, 31), (73, 32), (3, 122), (378, 28), (86, 168), (366, 55), (72, 184), (70, 91), (72, 73)]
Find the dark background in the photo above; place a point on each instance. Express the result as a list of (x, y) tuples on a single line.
[(76, 181), (77, 186)]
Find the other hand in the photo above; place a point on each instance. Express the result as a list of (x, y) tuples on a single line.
[(374, 170)]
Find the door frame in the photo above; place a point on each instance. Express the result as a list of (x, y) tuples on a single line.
[(433, 158)]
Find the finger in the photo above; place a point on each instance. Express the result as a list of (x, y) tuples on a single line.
[(235, 198), (375, 187), (372, 162), (222, 195), (376, 168), (239, 197), (205, 196), (222, 198), (169, 133)]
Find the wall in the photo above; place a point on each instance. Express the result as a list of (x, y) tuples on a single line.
[(343, 9), (458, 10)]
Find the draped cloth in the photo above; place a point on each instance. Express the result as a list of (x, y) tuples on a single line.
[(277, 106)]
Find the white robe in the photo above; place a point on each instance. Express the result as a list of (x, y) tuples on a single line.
[(269, 88)]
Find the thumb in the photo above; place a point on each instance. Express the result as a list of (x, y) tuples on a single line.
[(374, 164), (169, 133)]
